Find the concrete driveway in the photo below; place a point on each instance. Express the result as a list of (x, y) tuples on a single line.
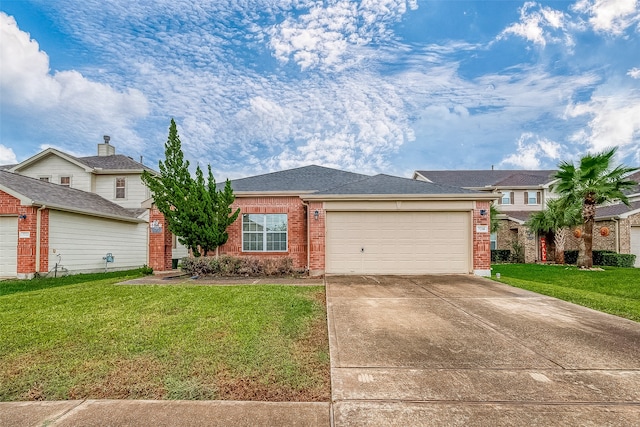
[(460, 350)]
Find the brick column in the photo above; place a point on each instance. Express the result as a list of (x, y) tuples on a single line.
[(481, 240), (316, 239), (27, 242), (159, 241)]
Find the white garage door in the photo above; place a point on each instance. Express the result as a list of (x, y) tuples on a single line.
[(635, 244), (397, 242), (8, 246)]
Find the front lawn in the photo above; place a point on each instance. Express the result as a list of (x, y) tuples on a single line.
[(614, 290), (75, 339)]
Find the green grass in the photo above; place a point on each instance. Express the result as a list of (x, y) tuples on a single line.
[(72, 338), (614, 290)]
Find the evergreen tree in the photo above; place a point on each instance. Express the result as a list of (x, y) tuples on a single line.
[(195, 211)]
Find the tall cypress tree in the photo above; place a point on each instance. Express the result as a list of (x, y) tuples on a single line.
[(195, 211)]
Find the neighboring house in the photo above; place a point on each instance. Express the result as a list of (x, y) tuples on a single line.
[(522, 192), (518, 192), (55, 207), (336, 222)]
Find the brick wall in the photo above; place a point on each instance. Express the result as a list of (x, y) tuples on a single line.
[(160, 241), (317, 237), (296, 230), (481, 240), (26, 261)]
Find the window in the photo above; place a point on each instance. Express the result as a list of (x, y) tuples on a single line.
[(65, 181), (507, 198), (121, 187), (531, 197), (264, 232), (494, 241), (44, 178)]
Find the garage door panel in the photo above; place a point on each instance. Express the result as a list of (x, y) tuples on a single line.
[(635, 244), (8, 246), (398, 242)]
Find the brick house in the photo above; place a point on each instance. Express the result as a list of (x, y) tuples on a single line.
[(336, 222)]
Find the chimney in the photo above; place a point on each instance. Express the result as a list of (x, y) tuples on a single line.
[(106, 149)]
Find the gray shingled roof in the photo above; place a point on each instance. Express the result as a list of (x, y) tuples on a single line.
[(615, 210), (387, 184), (634, 177), (519, 215), (116, 161), (483, 178), (304, 179), (45, 193)]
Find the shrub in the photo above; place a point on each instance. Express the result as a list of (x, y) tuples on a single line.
[(570, 257), (597, 257), (146, 270), (517, 255), (618, 260), (227, 265), (500, 255)]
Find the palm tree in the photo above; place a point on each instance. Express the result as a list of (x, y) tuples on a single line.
[(592, 183), (556, 218)]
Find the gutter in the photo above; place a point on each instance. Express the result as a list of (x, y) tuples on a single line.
[(38, 235), (437, 197), (87, 212)]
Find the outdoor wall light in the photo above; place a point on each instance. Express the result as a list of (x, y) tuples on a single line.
[(483, 212), (316, 214), (23, 216)]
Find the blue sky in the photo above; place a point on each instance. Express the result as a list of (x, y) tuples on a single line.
[(368, 86)]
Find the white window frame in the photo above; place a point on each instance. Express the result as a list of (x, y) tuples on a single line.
[(66, 185), (493, 241), (532, 195), (44, 178), (264, 232), (124, 188)]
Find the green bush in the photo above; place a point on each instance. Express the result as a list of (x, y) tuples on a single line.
[(500, 255), (618, 260), (597, 257), (570, 257), (227, 265)]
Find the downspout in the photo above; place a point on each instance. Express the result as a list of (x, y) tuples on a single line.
[(38, 222), (306, 205)]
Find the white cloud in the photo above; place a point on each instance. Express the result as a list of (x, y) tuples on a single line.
[(540, 25), (323, 36), (532, 149), (7, 156), (614, 121), (634, 73), (63, 103), (610, 16)]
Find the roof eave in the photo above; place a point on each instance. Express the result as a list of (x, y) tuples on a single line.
[(270, 193), (86, 212), (44, 153), (99, 171), (441, 197)]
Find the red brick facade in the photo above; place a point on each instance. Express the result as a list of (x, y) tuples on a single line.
[(296, 231), (28, 235), (160, 241), (481, 239)]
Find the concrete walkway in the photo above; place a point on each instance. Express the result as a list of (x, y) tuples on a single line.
[(460, 350)]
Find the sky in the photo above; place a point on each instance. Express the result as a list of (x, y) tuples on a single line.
[(371, 86)]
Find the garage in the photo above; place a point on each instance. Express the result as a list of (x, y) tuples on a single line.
[(398, 242), (635, 244), (8, 246)]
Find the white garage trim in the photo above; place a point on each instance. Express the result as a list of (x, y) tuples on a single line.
[(400, 242), (8, 246), (635, 244), (83, 241)]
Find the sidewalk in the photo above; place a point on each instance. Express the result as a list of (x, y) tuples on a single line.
[(160, 413)]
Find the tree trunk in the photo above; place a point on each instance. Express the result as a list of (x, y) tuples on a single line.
[(560, 239), (588, 214)]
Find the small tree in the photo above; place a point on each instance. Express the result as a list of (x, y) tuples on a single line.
[(595, 181), (557, 218), (195, 211)]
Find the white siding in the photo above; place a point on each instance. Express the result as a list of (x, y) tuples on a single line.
[(136, 191), (398, 242), (179, 250), (635, 244), (8, 246), (54, 167), (83, 241)]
